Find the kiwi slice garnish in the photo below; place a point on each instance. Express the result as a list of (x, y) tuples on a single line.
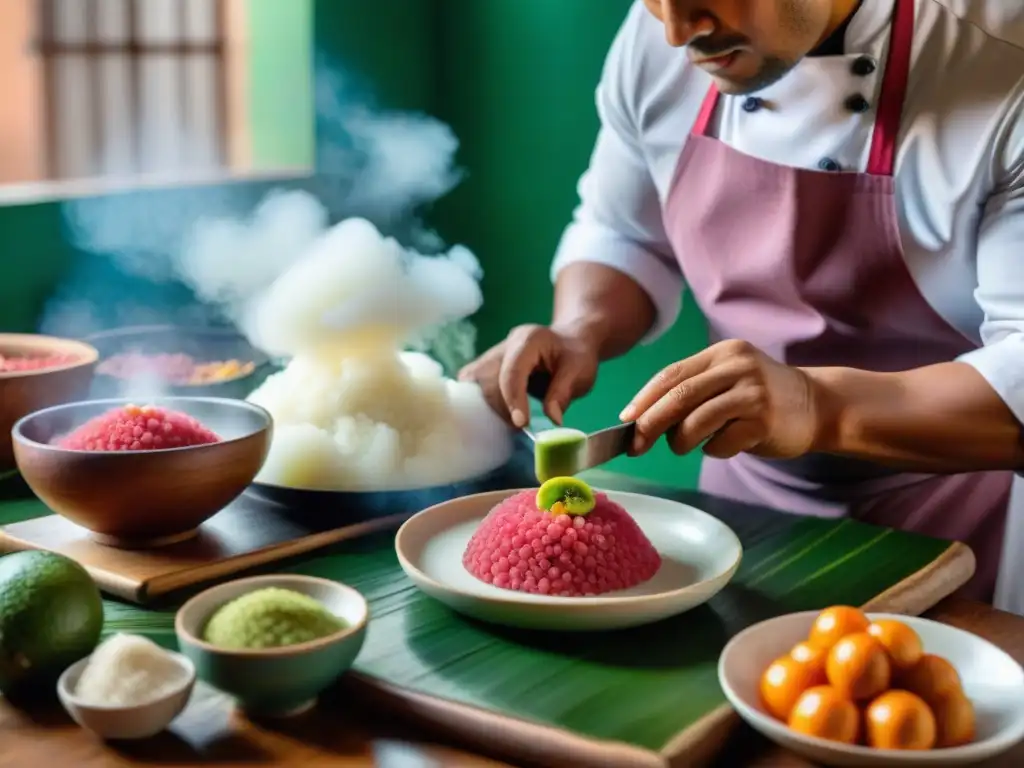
[(566, 495)]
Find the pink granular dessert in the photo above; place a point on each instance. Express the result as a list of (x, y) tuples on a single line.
[(521, 547), (138, 429)]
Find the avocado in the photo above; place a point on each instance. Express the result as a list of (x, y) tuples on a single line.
[(51, 615)]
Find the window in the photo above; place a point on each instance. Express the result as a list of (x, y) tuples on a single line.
[(173, 90), (133, 86)]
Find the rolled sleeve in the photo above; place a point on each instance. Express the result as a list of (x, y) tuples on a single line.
[(618, 221), (1000, 291), (659, 278)]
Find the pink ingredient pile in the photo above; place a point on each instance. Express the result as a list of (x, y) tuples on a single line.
[(37, 363), (135, 428), (523, 548), (174, 368)]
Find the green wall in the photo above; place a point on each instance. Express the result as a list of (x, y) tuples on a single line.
[(515, 79), (280, 83), (516, 82), (34, 255), (388, 48)]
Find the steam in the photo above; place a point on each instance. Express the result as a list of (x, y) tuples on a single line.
[(231, 245), (338, 277), (390, 164), (292, 285)]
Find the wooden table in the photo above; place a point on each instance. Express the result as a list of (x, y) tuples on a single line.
[(209, 733)]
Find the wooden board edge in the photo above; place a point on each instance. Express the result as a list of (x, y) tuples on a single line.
[(917, 593), (500, 736), (162, 586), (139, 593), (913, 596), (109, 583)]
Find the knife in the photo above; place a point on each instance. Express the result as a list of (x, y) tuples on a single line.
[(598, 447)]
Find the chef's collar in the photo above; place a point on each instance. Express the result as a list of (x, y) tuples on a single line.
[(868, 22), (835, 44)]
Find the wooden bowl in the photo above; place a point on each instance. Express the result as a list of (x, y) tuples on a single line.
[(202, 344), (22, 392), (141, 499)]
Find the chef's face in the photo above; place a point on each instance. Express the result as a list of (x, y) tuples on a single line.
[(746, 45)]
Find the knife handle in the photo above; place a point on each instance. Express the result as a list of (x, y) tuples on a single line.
[(538, 383)]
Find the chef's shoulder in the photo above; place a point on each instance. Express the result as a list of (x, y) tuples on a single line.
[(984, 38), (643, 75), (1002, 19), (972, 79)]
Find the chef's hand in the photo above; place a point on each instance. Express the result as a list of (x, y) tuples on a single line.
[(733, 394), (504, 370)]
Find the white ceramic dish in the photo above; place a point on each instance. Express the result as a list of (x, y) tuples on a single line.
[(700, 554), (991, 678), (137, 722)]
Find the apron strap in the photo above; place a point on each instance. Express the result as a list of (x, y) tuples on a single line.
[(882, 160), (707, 111)]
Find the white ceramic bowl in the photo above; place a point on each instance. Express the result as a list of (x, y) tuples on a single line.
[(137, 722), (991, 678), (700, 554)]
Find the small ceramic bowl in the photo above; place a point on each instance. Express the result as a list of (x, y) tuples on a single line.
[(991, 679), (275, 682), (116, 723)]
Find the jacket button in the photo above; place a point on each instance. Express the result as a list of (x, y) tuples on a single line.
[(864, 66), (828, 164), (752, 104), (857, 104)]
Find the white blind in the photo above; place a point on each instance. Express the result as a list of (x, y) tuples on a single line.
[(133, 86)]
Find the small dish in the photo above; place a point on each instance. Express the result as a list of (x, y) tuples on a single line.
[(700, 554), (991, 678), (275, 682), (116, 722)]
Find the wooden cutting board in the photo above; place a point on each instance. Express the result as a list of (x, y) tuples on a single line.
[(247, 534)]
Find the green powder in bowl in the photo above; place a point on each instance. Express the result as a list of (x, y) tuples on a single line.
[(270, 618), (558, 453)]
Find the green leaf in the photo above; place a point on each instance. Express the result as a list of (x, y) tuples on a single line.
[(640, 686)]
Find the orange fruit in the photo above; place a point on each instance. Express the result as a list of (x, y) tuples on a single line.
[(835, 623), (821, 711), (900, 642), (954, 720), (783, 682), (809, 654), (932, 678), (858, 667), (900, 720)]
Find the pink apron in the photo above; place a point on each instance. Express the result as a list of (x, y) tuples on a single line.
[(808, 266)]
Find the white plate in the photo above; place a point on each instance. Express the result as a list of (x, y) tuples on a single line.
[(699, 555), (993, 681)]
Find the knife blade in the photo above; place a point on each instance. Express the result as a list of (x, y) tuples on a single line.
[(607, 444), (601, 446)]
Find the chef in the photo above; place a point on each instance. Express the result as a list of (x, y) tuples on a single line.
[(840, 186)]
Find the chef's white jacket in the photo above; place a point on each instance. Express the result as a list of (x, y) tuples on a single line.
[(959, 172)]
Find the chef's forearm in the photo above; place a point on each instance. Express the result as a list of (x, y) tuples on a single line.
[(942, 418), (603, 307)]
